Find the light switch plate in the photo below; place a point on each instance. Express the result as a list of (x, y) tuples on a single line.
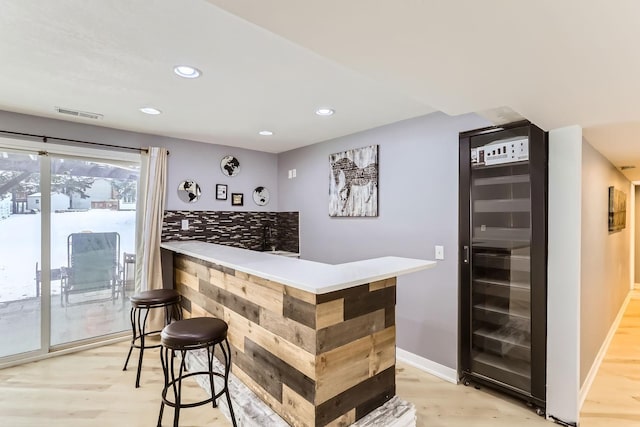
[(185, 224), (439, 252)]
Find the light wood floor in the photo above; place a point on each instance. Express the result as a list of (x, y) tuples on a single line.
[(89, 388), (614, 398)]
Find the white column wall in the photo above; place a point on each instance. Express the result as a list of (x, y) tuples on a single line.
[(563, 309)]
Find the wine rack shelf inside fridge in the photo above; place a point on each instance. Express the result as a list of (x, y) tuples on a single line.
[(503, 263)]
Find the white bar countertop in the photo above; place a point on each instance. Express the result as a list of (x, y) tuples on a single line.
[(310, 276)]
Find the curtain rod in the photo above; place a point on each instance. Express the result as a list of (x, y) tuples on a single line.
[(51, 138)]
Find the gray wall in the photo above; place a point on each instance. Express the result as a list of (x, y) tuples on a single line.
[(201, 162), (15, 122), (418, 208), (605, 256), (188, 160)]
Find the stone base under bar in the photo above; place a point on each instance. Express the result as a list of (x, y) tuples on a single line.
[(251, 411)]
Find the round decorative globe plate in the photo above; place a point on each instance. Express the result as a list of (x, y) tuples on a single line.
[(189, 191), (230, 166), (261, 196)]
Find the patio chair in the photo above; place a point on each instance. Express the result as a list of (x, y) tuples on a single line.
[(93, 265), (127, 280)]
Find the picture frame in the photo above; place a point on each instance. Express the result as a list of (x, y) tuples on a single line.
[(353, 183), (617, 210), (221, 192), (237, 199)]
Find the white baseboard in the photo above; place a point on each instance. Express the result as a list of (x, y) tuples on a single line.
[(586, 386), (431, 367)]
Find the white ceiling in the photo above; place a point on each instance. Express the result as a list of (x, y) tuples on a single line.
[(270, 63), (114, 56)]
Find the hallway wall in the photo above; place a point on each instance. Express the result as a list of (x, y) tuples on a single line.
[(637, 235), (605, 256)]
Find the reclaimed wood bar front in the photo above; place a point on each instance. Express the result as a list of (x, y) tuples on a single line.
[(315, 342)]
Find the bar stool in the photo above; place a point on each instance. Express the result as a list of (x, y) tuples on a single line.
[(193, 334), (169, 299)]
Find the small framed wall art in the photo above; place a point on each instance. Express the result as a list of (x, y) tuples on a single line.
[(221, 192), (237, 199), (617, 210), (353, 182)]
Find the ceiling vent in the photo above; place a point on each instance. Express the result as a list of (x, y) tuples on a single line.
[(76, 113)]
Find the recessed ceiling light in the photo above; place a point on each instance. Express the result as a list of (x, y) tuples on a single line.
[(265, 133), (325, 111), (150, 110), (186, 71)]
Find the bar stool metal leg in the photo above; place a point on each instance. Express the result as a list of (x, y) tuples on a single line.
[(227, 369), (177, 391), (133, 339), (163, 355), (210, 355)]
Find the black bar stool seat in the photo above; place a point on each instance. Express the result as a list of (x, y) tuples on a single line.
[(144, 301), (192, 334), (159, 297)]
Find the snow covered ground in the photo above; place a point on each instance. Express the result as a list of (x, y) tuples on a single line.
[(20, 245)]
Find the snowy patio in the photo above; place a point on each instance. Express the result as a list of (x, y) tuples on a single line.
[(89, 314)]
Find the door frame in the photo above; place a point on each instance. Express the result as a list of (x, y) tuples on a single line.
[(43, 149)]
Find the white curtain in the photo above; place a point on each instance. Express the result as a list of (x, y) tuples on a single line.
[(153, 179)]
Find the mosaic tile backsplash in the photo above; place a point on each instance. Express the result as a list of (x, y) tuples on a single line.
[(249, 230)]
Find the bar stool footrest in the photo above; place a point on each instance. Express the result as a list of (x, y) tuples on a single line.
[(191, 405)]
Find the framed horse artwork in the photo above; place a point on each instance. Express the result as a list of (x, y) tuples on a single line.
[(353, 182)]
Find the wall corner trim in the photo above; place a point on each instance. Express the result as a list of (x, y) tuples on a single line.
[(428, 366), (591, 376)]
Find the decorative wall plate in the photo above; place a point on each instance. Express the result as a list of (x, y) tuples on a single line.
[(261, 196), (230, 166), (189, 191)]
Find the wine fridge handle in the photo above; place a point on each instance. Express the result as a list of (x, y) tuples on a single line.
[(465, 254)]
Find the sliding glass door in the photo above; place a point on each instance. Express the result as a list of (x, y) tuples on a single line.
[(93, 221), (68, 231), (20, 255)]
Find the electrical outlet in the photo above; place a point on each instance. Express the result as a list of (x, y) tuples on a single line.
[(294, 173), (290, 174), (439, 252), (185, 224)]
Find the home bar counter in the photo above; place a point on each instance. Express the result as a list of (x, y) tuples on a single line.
[(316, 342)]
